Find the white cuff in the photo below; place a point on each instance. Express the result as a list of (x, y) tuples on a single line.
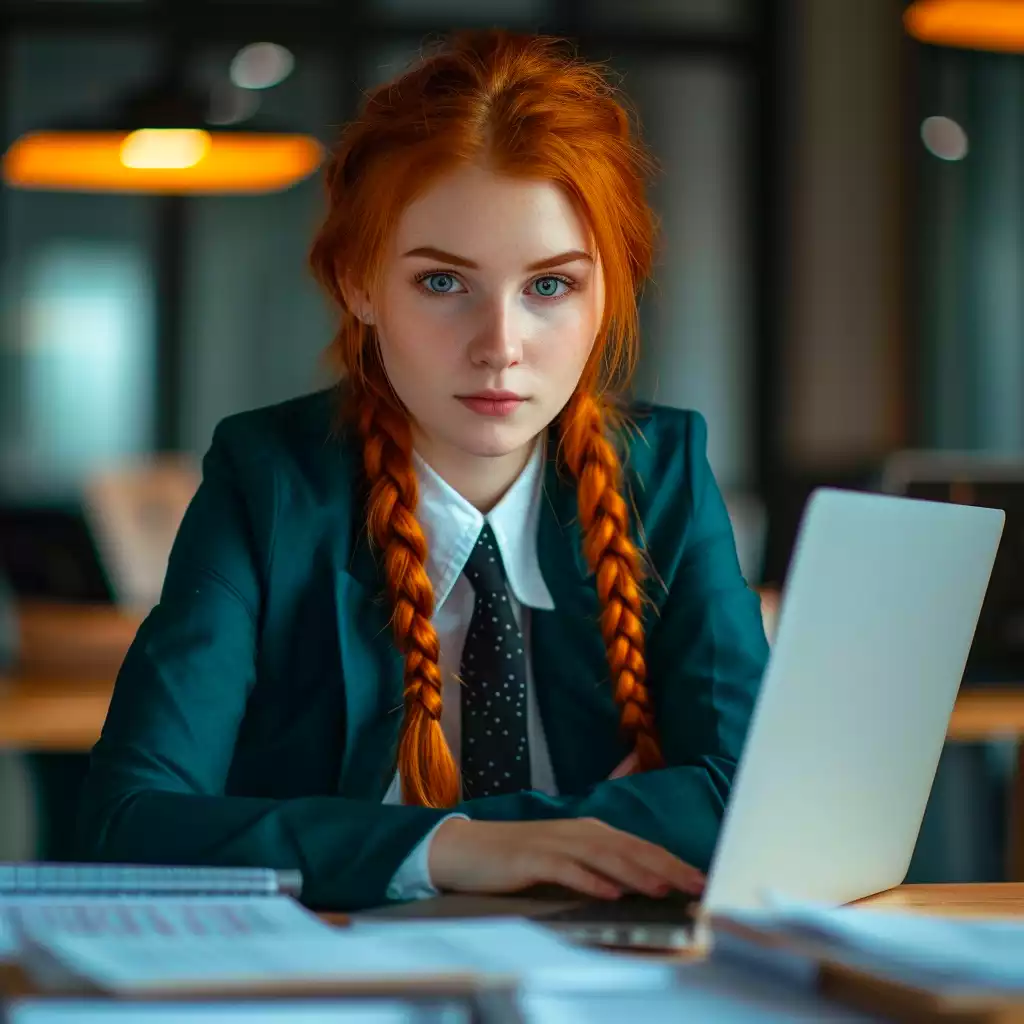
[(412, 880)]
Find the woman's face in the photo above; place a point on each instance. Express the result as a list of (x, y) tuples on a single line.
[(491, 302)]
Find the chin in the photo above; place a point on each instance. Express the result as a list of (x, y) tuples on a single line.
[(494, 440)]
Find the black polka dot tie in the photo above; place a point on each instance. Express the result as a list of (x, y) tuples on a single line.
[(495, 748)]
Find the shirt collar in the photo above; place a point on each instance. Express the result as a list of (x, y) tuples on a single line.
[(452, 525)]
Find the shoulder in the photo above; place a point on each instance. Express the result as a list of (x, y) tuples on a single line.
[(297, 435), (285, 429), (664, 448), (297, 450), (669, 483)]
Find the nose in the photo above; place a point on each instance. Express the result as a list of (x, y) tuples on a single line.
[(498, 343)]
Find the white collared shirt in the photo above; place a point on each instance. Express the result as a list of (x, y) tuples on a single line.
[(452, 526)]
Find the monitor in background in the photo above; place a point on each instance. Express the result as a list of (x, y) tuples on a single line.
[(110, 547), (48, 553), (988, 481)]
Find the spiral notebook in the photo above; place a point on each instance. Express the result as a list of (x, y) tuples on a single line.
[(32, 878)]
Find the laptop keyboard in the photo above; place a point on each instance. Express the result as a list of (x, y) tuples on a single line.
[(630, 909)]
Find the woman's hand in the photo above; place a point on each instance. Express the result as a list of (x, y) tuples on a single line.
[(583, 854)]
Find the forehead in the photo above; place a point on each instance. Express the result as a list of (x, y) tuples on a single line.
[(492, 219)]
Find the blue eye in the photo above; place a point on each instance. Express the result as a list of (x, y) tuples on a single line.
[(439, 284), (547, 287)]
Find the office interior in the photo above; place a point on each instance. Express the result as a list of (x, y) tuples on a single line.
[(837, 290)]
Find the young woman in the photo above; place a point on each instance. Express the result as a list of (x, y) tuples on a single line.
[(464, 622)]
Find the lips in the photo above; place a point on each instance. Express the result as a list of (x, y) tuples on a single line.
[(492, 403)]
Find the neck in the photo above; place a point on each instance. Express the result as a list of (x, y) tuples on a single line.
[(481, 480)]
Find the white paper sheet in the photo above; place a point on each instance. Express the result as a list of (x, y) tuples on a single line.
[(159, 964), (528, 950), (704, 992)]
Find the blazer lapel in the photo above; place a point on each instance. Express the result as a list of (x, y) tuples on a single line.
[(372, 667), (570, 667)]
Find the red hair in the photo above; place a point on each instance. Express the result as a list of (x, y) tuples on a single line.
[(523, 106)]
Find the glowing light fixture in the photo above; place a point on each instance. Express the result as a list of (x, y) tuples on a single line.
[(968, 24), (161, 145), (164, 149), (261, 65), (944, 138)]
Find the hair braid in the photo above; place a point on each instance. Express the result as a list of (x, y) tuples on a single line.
[(428, 772), (614, 559)]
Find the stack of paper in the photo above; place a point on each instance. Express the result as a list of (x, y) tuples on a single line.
[(171, 947), (893, 964), (985, 953)]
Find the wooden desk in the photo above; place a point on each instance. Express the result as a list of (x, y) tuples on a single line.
[(996, 899)]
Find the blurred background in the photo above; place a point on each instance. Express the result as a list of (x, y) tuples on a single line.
[(838, 290)]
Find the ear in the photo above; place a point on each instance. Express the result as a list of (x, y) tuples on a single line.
[(358, 301)]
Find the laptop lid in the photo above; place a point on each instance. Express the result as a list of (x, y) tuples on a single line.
[(877, 618)]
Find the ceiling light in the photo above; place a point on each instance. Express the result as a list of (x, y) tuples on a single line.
[(160, 143), (944, 138), (970, 24), (261, 65)]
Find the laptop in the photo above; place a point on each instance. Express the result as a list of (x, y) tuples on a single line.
[(877, 617), (995, 481)]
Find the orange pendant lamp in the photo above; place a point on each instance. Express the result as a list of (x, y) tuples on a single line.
[(160, 144), (968, 24)]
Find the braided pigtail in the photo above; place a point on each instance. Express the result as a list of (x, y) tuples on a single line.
[(615, 560), (428, 772)]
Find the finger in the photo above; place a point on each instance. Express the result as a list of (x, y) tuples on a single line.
[(649, 856), (573, 875), (675, 872), (623, 870)]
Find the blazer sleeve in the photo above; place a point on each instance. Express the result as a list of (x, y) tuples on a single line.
[(706, 653), (156, 786)]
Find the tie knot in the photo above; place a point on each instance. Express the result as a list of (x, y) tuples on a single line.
[(484, 568)]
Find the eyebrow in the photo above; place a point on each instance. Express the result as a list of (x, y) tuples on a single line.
[(570, 256)]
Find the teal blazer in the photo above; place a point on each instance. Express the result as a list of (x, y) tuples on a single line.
[(256, 716)]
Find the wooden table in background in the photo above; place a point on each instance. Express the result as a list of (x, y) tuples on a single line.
[(57, 698), (52, 713)]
